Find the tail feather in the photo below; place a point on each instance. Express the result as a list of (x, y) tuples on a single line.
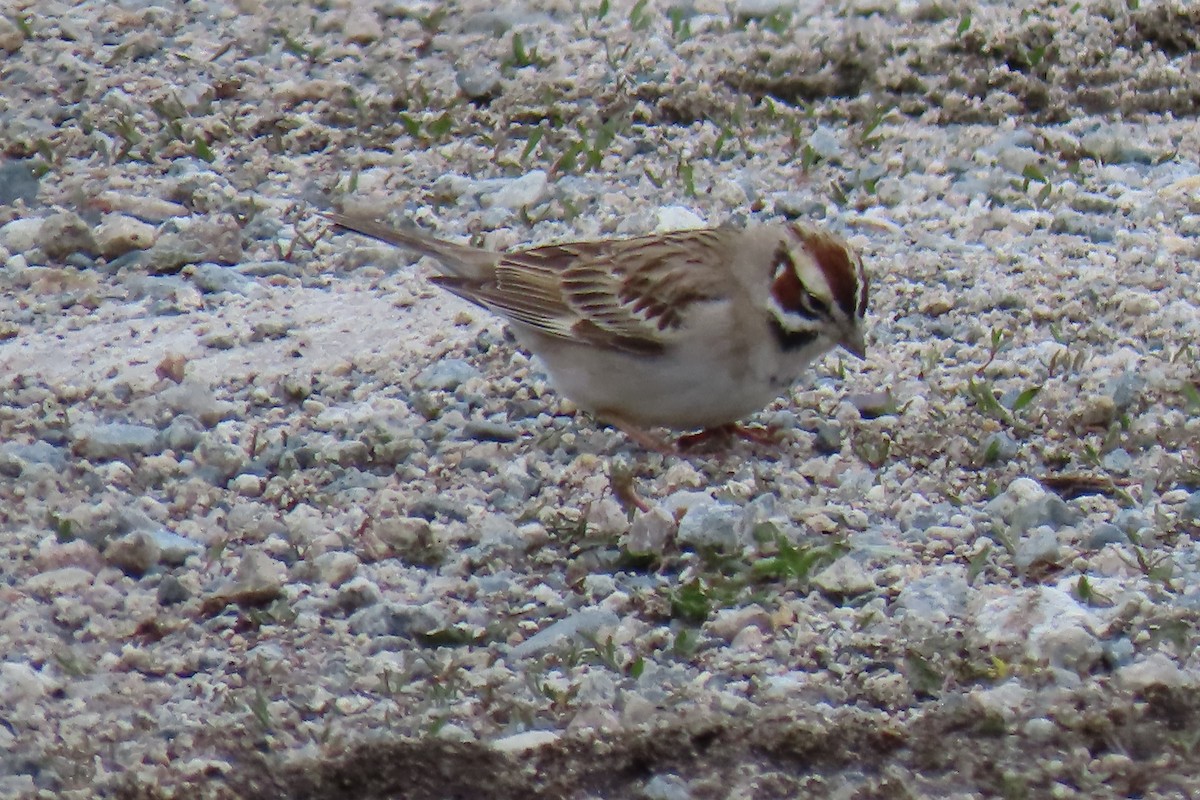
[(459, 260)]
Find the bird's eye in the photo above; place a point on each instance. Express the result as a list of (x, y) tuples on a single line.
[(818, 305)]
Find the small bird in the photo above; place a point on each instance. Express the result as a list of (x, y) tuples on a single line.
[(687, 330)]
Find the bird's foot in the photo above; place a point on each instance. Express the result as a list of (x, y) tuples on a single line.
[(723, 433)]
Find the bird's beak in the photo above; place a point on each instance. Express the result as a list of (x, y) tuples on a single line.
[(854, 343)]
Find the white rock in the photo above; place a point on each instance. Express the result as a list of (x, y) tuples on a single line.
[(650, 532), (517, 193), (119, 234), (843, 578), (525, 742), (1157, 670), (21, 235), (678, 218)]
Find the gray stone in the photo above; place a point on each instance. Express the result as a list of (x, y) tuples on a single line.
[(1105, 534), (489, 431), (1001, 446), (1086, 226), (21, 235), (183, 434), (396, 619), (115, 441), (64, 234), (1116, 144), (711, 524), (214, 278), (18, 180), (1039, 545), (479, 81), (825, 143), (650, 532), (586, 621), (935, 598), (1157, 670), (39, 452), (135, 553), (446, 375), (1131, 520), (1125, 389), (666, 787), (171, 591), (356, 594), (843, 578), (173, 548), (517, 193), (1191, 507), (1049, 510), (828, 439), (119, 234), (1118, 461)]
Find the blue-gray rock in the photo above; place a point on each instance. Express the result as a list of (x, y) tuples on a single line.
[(1105, 534), (1087, 226), (935, 597), (397, 619), (213, 278), (828, 439), (1116, 144), (446, 375), (666, 787), (171, 591), (1125, 389), (183, 434), (516, 193), (1130, 520), (711, 525), (38, 452), (825, 143), (489, 431), (135, 553), (478, 81), (1039, 546), (1118, 461), (1048, 510), (66, 233), (1001, 446), (18, 181), (1191, 507), (173, 548), (114, 441), (586, 621)]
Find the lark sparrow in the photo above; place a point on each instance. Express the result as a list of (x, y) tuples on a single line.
[(685, 330)]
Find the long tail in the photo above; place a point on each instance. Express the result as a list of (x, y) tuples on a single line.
[(458, 259)]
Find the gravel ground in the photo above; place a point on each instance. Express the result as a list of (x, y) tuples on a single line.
[(282, 520)]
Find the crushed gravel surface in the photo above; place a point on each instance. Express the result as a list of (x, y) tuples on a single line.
[(279, 519)]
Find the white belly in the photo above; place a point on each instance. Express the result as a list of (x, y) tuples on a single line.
[(688, 390)]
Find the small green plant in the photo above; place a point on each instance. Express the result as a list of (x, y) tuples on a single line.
[(778, 22), (691, 602), (260, 708), (639, 16), (869, 138), (999, 342), (681, 25), (964, 24), (522, 56), (535, 137), (687, 174), (872, 450), (791, 563)]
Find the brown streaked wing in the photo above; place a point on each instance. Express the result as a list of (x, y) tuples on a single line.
[(640, 289), (628, 295)]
